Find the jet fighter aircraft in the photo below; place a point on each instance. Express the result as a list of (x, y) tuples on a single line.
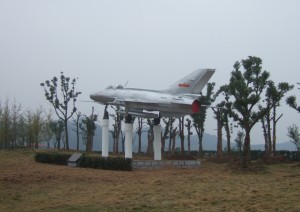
[(181, 98)]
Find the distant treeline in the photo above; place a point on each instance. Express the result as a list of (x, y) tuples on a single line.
[(22, 128)]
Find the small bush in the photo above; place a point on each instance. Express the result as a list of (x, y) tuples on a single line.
[(110, 163), (57, 158)]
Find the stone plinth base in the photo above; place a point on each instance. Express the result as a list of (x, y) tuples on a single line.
[(155, 164)]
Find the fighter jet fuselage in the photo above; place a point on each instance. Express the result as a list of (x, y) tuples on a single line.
[(180, 99)]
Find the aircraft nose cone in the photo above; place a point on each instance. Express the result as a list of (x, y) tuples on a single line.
[(101, 97), (93, 96)]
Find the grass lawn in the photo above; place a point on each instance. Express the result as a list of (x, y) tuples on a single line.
[(26, 185)]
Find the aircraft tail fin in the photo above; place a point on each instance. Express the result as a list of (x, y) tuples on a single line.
[(192, 83)]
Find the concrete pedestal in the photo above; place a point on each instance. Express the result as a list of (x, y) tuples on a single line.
[(157, 142), (128, 140), (105, 133)]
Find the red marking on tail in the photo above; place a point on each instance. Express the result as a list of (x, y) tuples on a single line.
[(184, 85)]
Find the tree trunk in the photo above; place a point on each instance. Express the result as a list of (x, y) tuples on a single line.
[(173, 144), (189, 140), (58, 143), (77, 135), (269, 134), (219, 128), (139, 132), (274, 129), (163, 144), (219, 145), (170, 143), (246, 149), (200, 137), (150, 144), (88, 144), (267, 153), (181, 134), (66, 133), (228, 136), (140, 142)]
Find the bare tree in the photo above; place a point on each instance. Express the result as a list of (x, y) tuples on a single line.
[(116, 131), (150, 137), (139, 131), (188, 126), (181, 133), (76, 122)]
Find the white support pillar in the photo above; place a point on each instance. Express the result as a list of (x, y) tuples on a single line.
[(105, 147), (157, 142), (128, 140)]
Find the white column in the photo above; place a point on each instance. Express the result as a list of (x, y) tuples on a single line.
[(128, 140), (157, 142), (105, 147)]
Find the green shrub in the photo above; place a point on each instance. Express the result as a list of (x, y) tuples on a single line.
[(110, 163), (57, 158)]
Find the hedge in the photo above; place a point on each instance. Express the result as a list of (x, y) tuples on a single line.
[(87, 161), (109, 163), (57, 158)]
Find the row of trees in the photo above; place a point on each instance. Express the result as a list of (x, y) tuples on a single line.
[(19, 129), (30, 129), (250, 97)]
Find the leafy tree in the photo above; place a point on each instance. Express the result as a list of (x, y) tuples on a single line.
[(218, 115), (5, 126), (294, 135), (61, 104), (199, 119), (228, 127), (34, 122), (239, 141), (16, 113), (221, 112), (88, 128), (246, 89), (48, 133), (291, 101), (57, 128), (274, 94), (22, 131)]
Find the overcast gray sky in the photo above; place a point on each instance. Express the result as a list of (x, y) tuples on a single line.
[(151, 44)]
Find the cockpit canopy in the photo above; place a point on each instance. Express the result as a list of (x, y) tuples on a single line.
[(114, 88)]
